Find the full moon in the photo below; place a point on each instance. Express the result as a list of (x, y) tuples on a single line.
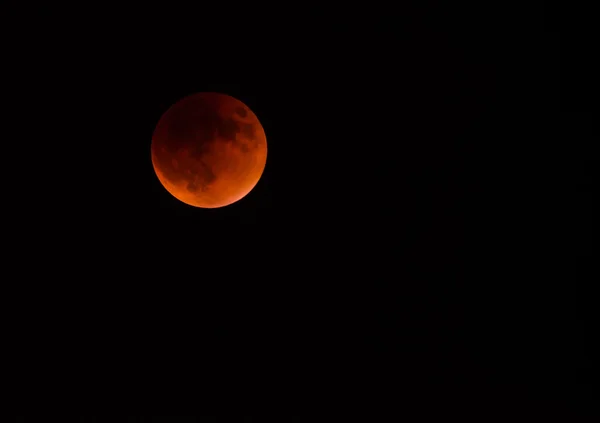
[(209, 150)]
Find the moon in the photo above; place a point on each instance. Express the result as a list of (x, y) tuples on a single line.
[(209, 150)]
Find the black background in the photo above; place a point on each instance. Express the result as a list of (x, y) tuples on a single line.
[(393, 236)]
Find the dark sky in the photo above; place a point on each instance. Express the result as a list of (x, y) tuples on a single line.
[(354, 239), (381, 236)]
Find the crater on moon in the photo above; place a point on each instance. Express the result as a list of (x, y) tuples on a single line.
[(241, 111)]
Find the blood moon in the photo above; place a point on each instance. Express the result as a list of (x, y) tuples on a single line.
[(209, 150)]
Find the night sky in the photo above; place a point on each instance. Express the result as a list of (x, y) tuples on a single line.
[(378, 245), (353, 242)]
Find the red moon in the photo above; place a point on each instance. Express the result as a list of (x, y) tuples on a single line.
[(209, 150)]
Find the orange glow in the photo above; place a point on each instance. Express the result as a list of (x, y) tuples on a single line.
[(209, 150)]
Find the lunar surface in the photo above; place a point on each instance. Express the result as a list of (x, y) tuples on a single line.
[(209, 150)]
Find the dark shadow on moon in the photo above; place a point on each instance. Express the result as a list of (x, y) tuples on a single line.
[(249, 131), (203, 177), (241, 111), (196, 124)]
